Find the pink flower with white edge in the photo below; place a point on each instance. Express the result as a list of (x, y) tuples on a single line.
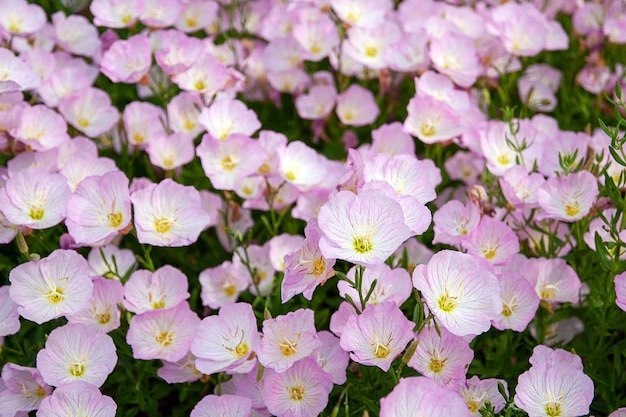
[(127, 61), (51, 287), (301, 165), (171, 151), (182, 114), (391, 285), (554, 390), (432, 120), (90, 111), (168, 214), (519, 302), (77, 398), (316, 36), (306, 268), (522, 28), (223, 405), (364, 13), (422, 396), (442, 356), (222, 284), (493, 241), (356, 106), (197, 15), (462, 295), (64, 81), (116, 13), (76, 34), (378, 335), (142, 121), (226, 341), (226, 117), (454, 221), (207, 75), (9, 317), (41, 128), (455, 55), (287, 339), (102, 314), (20, 18), (162, 289), (34, 198), (520, 188), (24, 389), (99, 209), (76, 353), (363, 229), (331, 357), (369, 45), (556, 281), (154, 13), (567, 198), (163, 334), (228, 162), (15, 74), (301, 391), (477, 392), (317, 103)]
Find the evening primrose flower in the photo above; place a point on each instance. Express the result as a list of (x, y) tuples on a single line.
[(77, 398), (102, 313), (568, 198), (162, 289), (222, 284), (24, 389), (459, 291), (378, 335), (223, 405), (75, 353), (363, 229), (51, 287), (9, 317)]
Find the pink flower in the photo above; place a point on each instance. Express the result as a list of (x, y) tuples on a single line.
[(306, 267), (301, 165), (222, 284), (77, 398), (75, 353), (477, 392), (162, 289), (41, 128), (520, 188), (391, 285), (365, 13), (224, 406), (171, 151), (99, 209), (90, 111), (568, 198), (182, 114), (369, 45), (331, 357), (163, 334), (356, 106), (154, 14), (432, 120), (228, 162), (24, 389), (316, 36), (522, 28), (197, 15), (301, 391), (493, 241), (76, 34), (378, 335), (51, 287), (111, 262), (391, 139), (444, 358), (102, 313), (19, 17), (84, 165), (553, 390), (282, 245), (556, 281), (454, 221), (363, 229), (261, 265), (127, 61), (462, 295), (226, 117), (207, 75), (116, 13), (142, 121), (168, 214), (620, 290), (287, 339), (422, 396), (184, 370), (225, 342), (519, 302)]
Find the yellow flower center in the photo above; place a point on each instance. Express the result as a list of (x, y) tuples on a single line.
[(115, 219), (55, 295), (230, 290), (138, 138), (296, 393), (506, 310), (36, 213), (242, 349), (165, 338), (362, 244), (83, 122), (553, 409), (319, 266), (572, 209), (163, 225), (381, 351), (77, 369), (428, 129), (371, 51), (436, 365), (290, 176), (228, 164), (504, 159), (287, 348), (103, 318), (447, 303)]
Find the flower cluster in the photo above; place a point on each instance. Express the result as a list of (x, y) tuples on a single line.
[(254, 208)]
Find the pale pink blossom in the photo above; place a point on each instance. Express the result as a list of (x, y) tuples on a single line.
[(163, 334), (142, 121), (184, 370), (222, 284), (182, 114), (102, 314), (116, 13), (206, 75), (9, 316), (162, 289), (160, 13), (15, 73), (477, 392), (127, 61), (331, 357), (170, 151), (76, 398), (224, 405), (90, 111), (556, 281), (364, 13), (317, 103), (76, 34), (24, 389), (568, 198), (368, 46), (493, 241), (76, 353), (111, 262), (197, 15), (519, 302), (18, 17), (225, 117), (454, 221), (356, 106), (391, 285), (41, 128)]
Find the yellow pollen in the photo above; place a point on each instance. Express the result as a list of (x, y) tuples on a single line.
[(489, 253), (77, 369), (447, 303), (83, 122), (157, 304), (348, 115), (165, 338), (290, 176), (381, 351), (287, 348), (163, 225), (436, 365), (473, 405), (138, 138), (572, 209), (115, 219), (191, 21), (428, 129), (103, 318), (506, 310), (55, 295), (504, 159), (168, 162), (242, 349), (199, 85), (371, 51), (315, 49), (39, 392), (189, 124), (553, 409), (36, 213), (296, 393), (126, 18), (362, 244), (319, 266), (230, 290), (15, 23), (265, 168), (548, 292), (228, 164)]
